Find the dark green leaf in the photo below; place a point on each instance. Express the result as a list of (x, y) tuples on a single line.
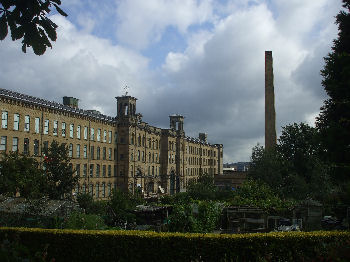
[(60, 10), (56, 1), (50, 30), (24, 48), (3, 27)]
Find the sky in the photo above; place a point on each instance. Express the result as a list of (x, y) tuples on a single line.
[(201, 59)]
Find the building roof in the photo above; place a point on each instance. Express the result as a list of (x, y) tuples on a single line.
[(54, 105)]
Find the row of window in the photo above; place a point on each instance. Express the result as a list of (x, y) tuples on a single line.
[(198, 151), (154, 144), (152, 171), (100, 136), (15, 145), (96, 170), (98, 192), (106, 153), (152, 158)]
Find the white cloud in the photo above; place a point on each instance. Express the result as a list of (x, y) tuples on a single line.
[(217, 82), (143, 22)]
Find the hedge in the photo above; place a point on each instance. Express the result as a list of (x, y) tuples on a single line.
[(94, 245)]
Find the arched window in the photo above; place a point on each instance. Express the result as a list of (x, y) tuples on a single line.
[(138, 155), (149, 157), (139, 140)]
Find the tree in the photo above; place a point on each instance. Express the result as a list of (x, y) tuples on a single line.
[(59, 172), (334, 119), (28, 19), (19, 173), (203, 188), (294, 169)]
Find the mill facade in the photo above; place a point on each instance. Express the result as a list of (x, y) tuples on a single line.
[(121, 152)]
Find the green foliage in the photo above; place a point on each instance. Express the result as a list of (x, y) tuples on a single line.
[(121, 208), (195, 216), (294, 169), (203, 188), (258, 194), (84, 221), (72, 245), (19, 173), (334, 119), (28, 20), (59, 173), (90, 206)]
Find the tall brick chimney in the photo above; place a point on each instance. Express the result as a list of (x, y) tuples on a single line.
[(270, 114)]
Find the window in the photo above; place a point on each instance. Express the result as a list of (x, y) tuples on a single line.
[(152, 170), (132, 157), (98, 152), (77, 188), (92, 153), (98, 137), (109, 189), (104, 170), (97, 170), (71, 130), (109, 171), (55, 128), (143, 156), (15, 144), (138, 155), (63, 129), (15, 121), (91, 170), (139, 140), (110, 137), (85, 170), (77, 170), (85, 151), (91, 189), (103, 189), (3, 142), (97, 190), (78, 151), (26, 123), (37, 125), (78, 132), (143, 141), (83, 188), (46, 127), (149, 143), (46, 146), (115, 171), (4, 118), (85, 132), (115, 137), (92, 133), (132, 139), (70, 150), (26, 146), (104, 154), (156, 157), (109, 153), (105, 136)]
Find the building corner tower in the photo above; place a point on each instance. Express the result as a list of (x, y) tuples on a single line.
[(270, 114)]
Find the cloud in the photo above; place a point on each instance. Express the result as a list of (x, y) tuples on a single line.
[(143, 22), (216, 82), (79, 65)]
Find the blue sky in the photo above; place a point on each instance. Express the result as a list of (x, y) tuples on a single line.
[(202, 59)]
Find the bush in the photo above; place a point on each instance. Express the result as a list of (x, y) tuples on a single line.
[(86, 245), (84, 221)]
